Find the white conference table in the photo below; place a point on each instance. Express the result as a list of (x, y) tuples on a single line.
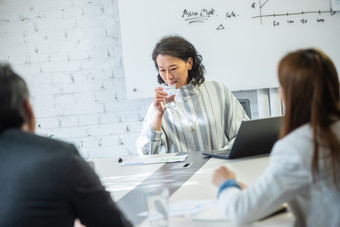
[(120, 180)]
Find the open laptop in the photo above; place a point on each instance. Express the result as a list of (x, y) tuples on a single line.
[(255, 137)]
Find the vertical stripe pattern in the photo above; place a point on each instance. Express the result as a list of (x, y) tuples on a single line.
[(210, 109)]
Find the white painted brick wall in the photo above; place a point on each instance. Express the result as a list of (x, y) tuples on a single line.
[(69, 52)]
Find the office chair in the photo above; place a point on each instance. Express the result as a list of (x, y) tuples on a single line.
[(246, 106)]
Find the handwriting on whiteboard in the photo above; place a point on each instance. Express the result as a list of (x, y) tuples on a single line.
[(203, 15)]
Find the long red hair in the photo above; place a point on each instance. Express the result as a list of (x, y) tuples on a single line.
[(310, 87)]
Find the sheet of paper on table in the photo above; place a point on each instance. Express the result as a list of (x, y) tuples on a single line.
[(153, 160), (187, 208)]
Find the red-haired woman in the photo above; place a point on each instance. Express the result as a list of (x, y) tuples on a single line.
[(304, 166)]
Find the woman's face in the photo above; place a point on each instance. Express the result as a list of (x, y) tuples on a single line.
[(174, 70)]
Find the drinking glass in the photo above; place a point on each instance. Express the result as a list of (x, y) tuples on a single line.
[(170, 90), (157, 202)]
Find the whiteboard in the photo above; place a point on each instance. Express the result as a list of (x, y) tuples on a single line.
[(241, 41)]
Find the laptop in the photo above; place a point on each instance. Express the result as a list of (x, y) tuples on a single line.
[(255, 137)]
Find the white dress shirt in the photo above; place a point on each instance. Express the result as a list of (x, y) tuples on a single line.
[(288, 178)]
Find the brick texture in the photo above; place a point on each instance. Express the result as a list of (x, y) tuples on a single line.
[(69, 52)]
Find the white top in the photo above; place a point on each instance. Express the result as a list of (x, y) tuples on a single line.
[(204, 118), (288, 178)]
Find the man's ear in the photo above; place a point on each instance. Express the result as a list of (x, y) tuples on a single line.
[(29, 124)]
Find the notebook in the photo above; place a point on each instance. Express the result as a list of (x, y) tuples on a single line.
[(255, 137)]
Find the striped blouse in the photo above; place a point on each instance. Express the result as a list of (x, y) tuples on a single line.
[(201, 118)]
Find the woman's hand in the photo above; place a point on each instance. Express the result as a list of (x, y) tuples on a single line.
[(160, 96), (158, 101), (222, 174)]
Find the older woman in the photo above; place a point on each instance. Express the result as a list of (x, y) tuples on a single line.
[(205, 115)]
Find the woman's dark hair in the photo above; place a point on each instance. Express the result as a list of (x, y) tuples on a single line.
[(310, 87), (13, 92), (179, 47)]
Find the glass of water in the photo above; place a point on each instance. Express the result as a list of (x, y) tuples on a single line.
[(171, 91), (157, 202)]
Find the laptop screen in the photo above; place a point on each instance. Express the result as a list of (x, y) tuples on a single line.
[(255, 137)]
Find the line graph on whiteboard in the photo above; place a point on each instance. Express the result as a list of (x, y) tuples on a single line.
[(289, 17)]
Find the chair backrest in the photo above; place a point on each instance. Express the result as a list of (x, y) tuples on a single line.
[(246, 106)]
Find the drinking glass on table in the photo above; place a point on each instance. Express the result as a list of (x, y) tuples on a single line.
[(171, 91), (157, 202)]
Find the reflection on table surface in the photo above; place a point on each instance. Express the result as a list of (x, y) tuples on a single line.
[(129, 181)]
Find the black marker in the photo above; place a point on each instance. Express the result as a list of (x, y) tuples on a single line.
[(120, 160)]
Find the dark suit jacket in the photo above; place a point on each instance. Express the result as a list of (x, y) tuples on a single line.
[(45, 182)]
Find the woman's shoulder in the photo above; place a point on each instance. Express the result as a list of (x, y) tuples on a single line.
[(296, 143), (300, 141), (214, 84)]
